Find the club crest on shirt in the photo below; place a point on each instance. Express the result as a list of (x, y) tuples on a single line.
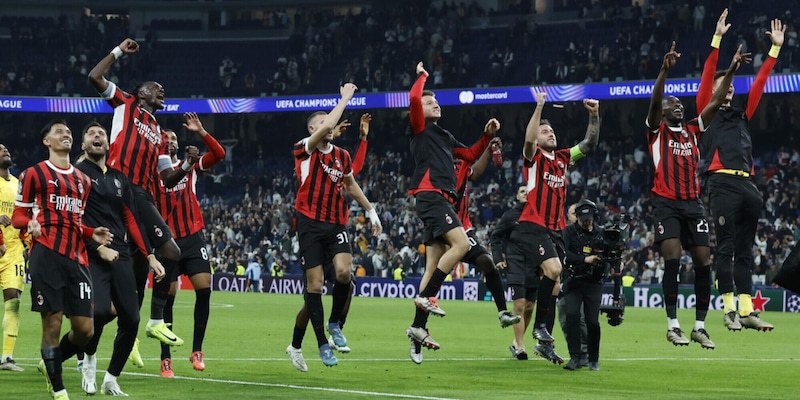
[(80, 187), (560, 164)]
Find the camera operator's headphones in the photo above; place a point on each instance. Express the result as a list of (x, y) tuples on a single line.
[(586, 207)]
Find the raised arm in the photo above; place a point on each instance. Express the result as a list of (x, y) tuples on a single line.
[(333, 116), (361, 152), (480, 166), (718, 98), (471, 154), (589, 142), (216, 152), (710, 67), (96, 78), (352, 188), (532, 130), (655, 113), (754, 96), (416, 115)]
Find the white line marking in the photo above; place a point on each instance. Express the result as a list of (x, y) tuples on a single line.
[(285, 359), (283, 385)]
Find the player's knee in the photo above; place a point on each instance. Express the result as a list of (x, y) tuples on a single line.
[(343, 276)]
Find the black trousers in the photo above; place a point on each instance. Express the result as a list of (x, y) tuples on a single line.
[(115, 283), (735, 207), (583, 294)]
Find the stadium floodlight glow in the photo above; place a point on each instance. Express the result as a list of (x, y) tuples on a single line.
[(787, 83)]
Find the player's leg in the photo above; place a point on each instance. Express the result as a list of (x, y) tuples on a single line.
[(101, 295), (125, 300), (12, 274), (743, 257), (551, 269), (725, 203), (494, 282), (418, 331), (702, 287), (159, 327), (522, 282), (202, 308), (294, 349)]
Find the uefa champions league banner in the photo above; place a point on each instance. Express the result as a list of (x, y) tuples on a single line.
[(788, 83)]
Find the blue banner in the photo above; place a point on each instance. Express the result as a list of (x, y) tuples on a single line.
[(789, 83)]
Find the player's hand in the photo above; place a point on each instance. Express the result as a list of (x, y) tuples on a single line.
[(593, 260), (192, 122), (740, 58), (377, 228), (492, 126), (107, 254), (347, 91), (420, 68), (102, 235), (2, 250), (129, 46), (34, 228), (722, 26), (593, 106), (671, 58), (363, 128), (192, 154), (541, 98), (339, 129), (496, 141), (501, 265), (776, 34), (158, 270)]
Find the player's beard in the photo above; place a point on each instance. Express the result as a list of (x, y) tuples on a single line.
[(6, 164)]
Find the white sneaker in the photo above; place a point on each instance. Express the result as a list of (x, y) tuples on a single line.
[(415, 352), (297, 358), (89, 372), (111, 388)]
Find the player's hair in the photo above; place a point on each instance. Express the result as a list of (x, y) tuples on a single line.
[(545, 122), (313, 115), (50, 124), (428, 93), (92, 124)]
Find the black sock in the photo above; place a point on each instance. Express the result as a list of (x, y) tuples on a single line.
[(420, 319), (346, 309), (702, 289), (550, 320), (201, 310), (544, 300), (495, 285), (91, 347), (432, 289), (670, 287), (52, 360), (67, 348), (316, 315), (339, 294), (297, 336), (168, 318)]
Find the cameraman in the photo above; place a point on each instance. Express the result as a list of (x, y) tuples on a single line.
[(583, 286)]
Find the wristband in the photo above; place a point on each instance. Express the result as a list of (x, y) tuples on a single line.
[(373, 217), (117, 52), (715, 41), (100, 247), (185, 166), (774, 51)]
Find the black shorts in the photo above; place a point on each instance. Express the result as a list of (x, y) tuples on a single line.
[(519, 273), (194, 257), (475, 249), (59, 284), (682, 219), (114, 283), (156, 229), (320, 241), (438, 215)]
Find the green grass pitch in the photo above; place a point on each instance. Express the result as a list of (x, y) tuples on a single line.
[(248, 333)]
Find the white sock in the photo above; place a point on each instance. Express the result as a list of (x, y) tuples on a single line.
[(156, 321), (91, 360), (5, 358), (109, 378), (673, 323), (699, 325)]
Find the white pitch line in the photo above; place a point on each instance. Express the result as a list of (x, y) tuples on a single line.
[(286, 386), (282, 359)]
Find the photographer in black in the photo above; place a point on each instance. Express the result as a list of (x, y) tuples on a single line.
[(583, 286)]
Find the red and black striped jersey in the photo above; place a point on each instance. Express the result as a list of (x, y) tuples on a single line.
[(320, 178), (546, 177), (135, 141), (463, 172), (56, 198), (675, 158), (178, 205)]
